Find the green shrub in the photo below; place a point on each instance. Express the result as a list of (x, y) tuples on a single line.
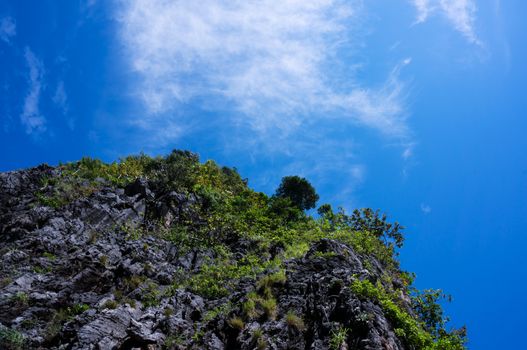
[(258, 339), (56, 322), (5, 281), (236, 323), (372, 221), (49, 256), (269, 307), (408, 328), (257, 334), (338, 337), (150, 294), (133, 282), (221, 310), (20, 298), (266, 283), (294, 321), (54, 201), (78, 309), (261, 344), (218, 278), (172, 340), (110, 304), (11, 339), (249, 307)]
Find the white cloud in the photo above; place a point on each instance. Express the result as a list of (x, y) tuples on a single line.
[(425, 208), (358, 172), (31, 117), (275, 65), (423, 10), (408, 152), (460, 13), (7, 29), (60, 98)]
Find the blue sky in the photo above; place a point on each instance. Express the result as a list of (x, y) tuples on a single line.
[(412, 106)]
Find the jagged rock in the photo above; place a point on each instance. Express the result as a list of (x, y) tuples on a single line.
[(108, 331), (86, 276)]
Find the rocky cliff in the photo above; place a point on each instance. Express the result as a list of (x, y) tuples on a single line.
[(153, 253)]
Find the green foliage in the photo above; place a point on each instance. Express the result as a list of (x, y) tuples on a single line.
[(215, 280), (11, 339), (412, 331), (257, 334), (368, 220), (297, 189), (269, 281), (118, 173), (365, 220), (168, 311), (63, 190), (249, 307), (285, 210), (325, 211), (425, 304), (221, 310), (60, 317), (324, 255), (5, 281), (258, 339), (132, 232), (133, 282), (236, 323), (198, 334), (261, 344), (258, 305), (49, 256), (150, 294), (78, 309), (42, 270), (172, 340), (293, 321), (110, 304), (269, 307), (20, 298), (338, 337), (55, 201)]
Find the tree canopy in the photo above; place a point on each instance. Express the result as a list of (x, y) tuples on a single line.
[(301, 193)]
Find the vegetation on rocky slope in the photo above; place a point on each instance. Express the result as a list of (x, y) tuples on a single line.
[(252, 247)]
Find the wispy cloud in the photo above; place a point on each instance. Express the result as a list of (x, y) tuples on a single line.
[(423, 8), (408, 151), (460, 13), (31, 117), (273, 66), (425, 208), (60, 98), (7, 29)]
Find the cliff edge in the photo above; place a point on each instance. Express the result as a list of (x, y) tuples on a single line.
[(172, 253)]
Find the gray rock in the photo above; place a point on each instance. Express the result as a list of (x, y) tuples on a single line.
[(65, 268)]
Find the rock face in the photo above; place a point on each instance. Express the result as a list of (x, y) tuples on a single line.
[(78, 276)]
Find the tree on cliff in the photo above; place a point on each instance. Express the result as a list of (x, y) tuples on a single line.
[(301, 193)]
